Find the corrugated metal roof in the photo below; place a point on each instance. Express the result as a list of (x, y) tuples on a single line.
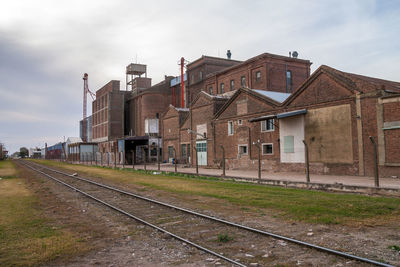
[(177, 80), (291, 113), (262, 118), (279, 97), (72, 140)]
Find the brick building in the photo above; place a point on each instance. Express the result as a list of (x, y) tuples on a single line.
[(108, 115), (143, 110), (267, 72), (334, 112), (199, 69), (174, 118), (247, 119)]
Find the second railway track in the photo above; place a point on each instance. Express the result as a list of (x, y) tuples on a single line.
[(196, 229)]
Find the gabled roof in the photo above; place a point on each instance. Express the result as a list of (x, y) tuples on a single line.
[(210, 97), (267, 96), (352, 82)]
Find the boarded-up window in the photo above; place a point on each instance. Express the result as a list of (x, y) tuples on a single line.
[(151, 126), (202, 131), (288, 144)]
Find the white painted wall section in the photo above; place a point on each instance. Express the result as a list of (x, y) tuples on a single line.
[(292, 126)]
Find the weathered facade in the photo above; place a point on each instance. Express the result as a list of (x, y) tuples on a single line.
[(247, 123), (267, 72), (172, 121), (199, 69)]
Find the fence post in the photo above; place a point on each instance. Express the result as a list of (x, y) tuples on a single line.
[(376, 173), (101, 159), (144, 159), (307, 162), (223, 161), (174, 159), (133, 160), (197, 161), (158, 154), (115, 158)]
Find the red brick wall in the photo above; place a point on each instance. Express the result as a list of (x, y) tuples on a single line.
[(170, 132), (392, 146), (273, 75), (391, 111)]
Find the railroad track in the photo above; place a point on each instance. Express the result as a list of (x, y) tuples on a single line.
[(199, 230)]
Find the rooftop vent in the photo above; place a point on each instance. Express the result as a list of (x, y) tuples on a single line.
[(228, 54)]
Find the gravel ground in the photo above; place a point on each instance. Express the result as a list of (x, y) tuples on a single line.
[(118, 241)]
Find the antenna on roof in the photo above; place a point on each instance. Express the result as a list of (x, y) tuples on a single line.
[(295, 54)]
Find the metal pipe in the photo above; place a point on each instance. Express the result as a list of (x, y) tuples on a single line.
[(182, 83)]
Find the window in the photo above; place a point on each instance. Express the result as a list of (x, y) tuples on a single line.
[(240, 122), (183, 151), (243, 150), (222, 89), (289, 80), (210, 90), (267, 149), (243, 81), (201, 147), (232, 85), (288, 144), (192, 79), (230, 127), (170, 152), (267, 125), (258, 76), (200, 75)]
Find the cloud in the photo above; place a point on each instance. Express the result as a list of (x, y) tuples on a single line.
[(46, 46)]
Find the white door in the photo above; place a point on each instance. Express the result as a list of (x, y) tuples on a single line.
[(201, 147)]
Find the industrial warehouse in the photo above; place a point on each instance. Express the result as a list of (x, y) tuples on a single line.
[(267, 112)]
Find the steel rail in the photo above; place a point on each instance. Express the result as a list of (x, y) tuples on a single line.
[(139, 219), (240, 226)]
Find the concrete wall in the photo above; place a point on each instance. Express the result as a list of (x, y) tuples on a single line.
[(328, 134)]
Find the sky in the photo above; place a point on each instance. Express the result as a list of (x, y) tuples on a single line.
[(47, 46)]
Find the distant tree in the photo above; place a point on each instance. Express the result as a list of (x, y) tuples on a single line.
[(23, 152), (15, 154)]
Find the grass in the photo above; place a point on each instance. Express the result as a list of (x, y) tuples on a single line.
[(7, 169), (291, 204), (394, 247), (224, 238), (26, 237)]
